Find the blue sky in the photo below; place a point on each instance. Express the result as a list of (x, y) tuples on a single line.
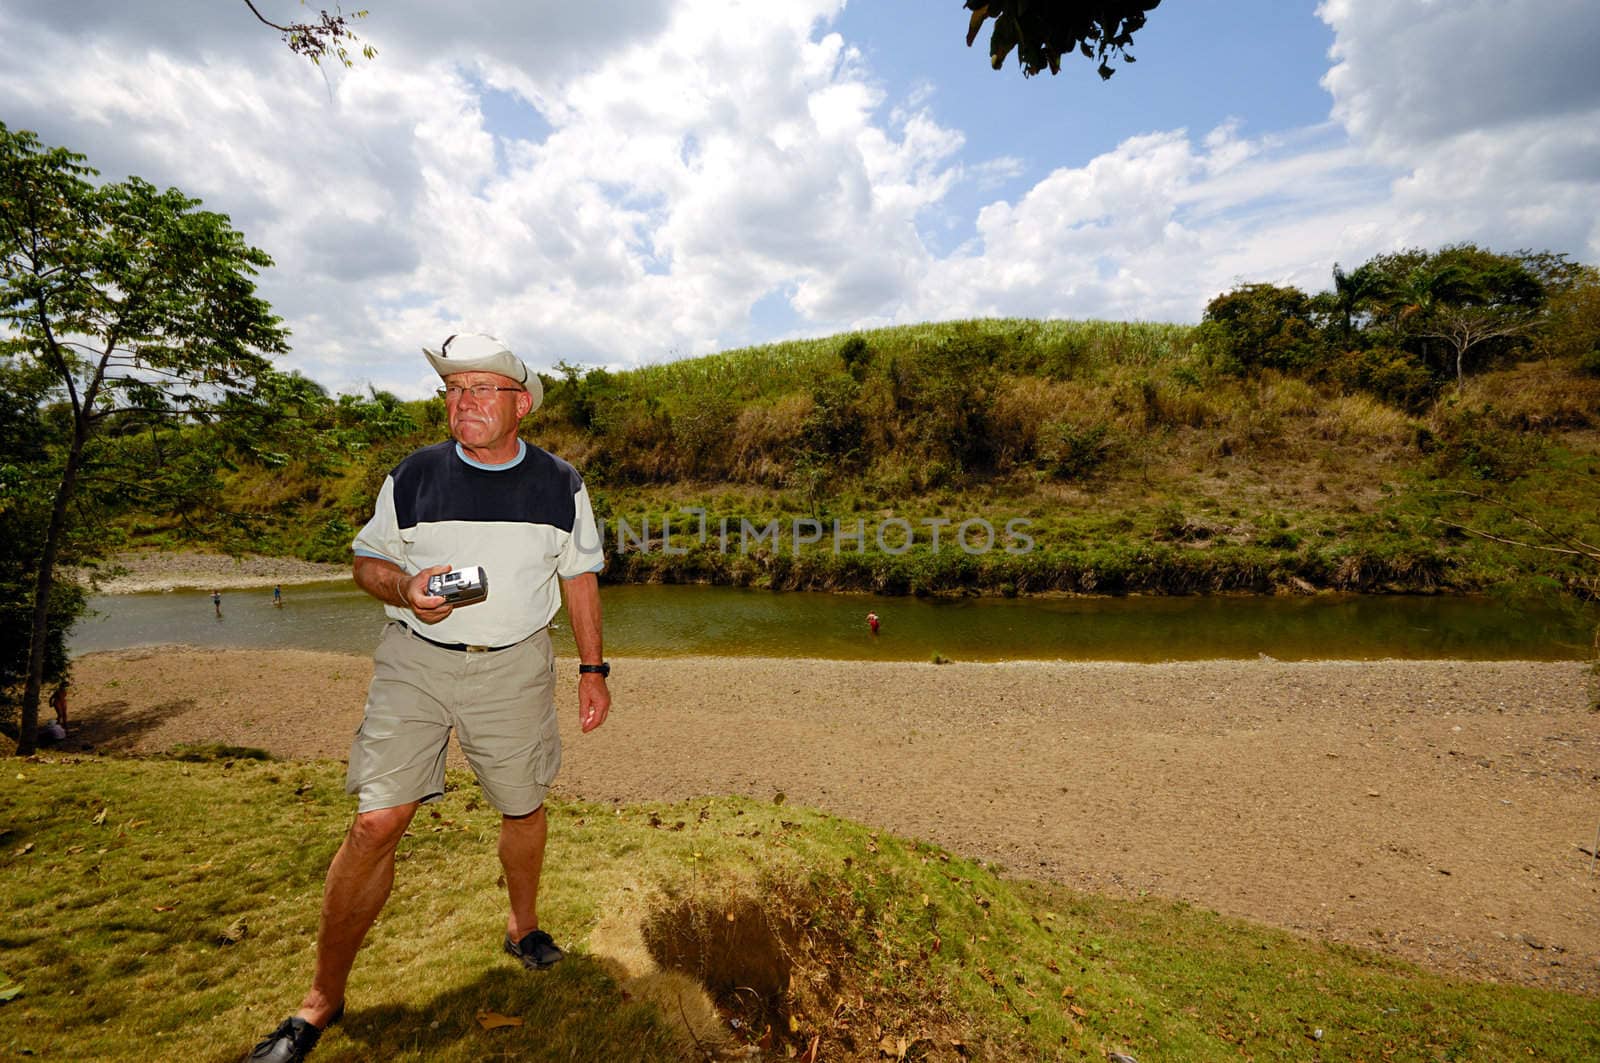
[(623, 181)]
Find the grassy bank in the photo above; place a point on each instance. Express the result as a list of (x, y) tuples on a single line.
[(174, 902), (1138, 459)]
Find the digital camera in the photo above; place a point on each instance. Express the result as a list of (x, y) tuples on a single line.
[(463, 586)]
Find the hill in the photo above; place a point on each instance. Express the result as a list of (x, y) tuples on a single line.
[(1086, 457)]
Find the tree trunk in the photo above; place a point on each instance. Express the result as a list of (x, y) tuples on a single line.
[(28, 734)]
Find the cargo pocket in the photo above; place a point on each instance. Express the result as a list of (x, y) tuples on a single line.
[(549, 748)]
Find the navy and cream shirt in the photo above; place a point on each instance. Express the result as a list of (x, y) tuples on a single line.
[(526, 522)]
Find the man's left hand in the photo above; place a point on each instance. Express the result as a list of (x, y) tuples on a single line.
[(594, 701)]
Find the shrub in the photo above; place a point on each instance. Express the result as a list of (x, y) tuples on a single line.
[(1390, 373), (1075, 451), (1473, 443), (1261, 326)]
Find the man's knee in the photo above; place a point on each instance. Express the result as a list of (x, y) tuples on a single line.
[(382, 828), (527, 817)]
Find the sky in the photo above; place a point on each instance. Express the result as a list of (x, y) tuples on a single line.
[(620, 182)]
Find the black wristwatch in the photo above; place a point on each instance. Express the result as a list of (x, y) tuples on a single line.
[(603, 669)]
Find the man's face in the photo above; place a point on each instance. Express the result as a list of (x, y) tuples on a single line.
[(488, 423)]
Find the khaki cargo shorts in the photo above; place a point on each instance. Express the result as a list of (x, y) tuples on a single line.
[(500, 704)]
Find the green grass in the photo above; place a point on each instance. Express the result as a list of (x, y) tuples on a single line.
[(126, 879)]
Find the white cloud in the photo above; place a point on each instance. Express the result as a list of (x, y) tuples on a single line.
[(1409, 73), (686, 161), (1447, 128)]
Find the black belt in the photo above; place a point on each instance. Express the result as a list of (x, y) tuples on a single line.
[(459, 647)]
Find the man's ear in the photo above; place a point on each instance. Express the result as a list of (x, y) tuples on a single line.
[(524, 404)]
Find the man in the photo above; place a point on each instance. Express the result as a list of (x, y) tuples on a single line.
[(485, 669)]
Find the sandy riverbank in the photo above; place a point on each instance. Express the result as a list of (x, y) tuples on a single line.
[(1433, 810), (189, 570)]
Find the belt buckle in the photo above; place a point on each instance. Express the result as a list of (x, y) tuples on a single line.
[(477, 649)]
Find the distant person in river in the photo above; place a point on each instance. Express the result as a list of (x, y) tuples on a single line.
[(277, 597), (872, 622), (483, 667), (216, 603)]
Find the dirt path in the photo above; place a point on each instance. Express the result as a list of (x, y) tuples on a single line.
[(1434, 810)]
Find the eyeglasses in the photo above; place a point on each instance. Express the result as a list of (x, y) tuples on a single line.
[(481, 392)]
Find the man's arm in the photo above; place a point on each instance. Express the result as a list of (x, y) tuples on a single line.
[(388, 582), (583, 613)]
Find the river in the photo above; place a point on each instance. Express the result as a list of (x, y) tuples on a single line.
[(654, 621)]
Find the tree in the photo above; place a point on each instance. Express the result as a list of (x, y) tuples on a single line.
[(1262, 326), (330, 35), (1464, 327), (131, 304), (1042, 31), (24, 508), (1353, 292)]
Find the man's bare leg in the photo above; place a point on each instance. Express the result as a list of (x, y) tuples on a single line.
[(358, 884), (522, 856)]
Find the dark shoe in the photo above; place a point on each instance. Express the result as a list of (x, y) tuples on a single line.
[(292, 1041), (536, 951)]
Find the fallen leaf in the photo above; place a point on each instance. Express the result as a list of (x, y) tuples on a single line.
[(1079, 1012), (493, 1020), (235, 932), (100, 817), (10, 990), (163, 907), (24, 851)]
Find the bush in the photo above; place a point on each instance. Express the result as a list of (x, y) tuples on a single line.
[(1475, 444), (1261, 326), (1076, 451), (1391, 374)]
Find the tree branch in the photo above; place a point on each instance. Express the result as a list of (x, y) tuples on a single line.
[(1574, 546), (1593, 555)]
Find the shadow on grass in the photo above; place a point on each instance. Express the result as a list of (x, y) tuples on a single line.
[(574, 1011)]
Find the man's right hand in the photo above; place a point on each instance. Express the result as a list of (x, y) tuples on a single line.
[(428, 608)]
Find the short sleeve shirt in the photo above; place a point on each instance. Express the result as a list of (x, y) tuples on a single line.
[(527, 522)]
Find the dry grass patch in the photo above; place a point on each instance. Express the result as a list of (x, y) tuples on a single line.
[(1360, 418), (1540, 395)]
